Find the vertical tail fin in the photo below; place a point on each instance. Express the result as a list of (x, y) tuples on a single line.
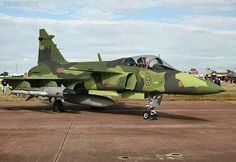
[(48, 51)]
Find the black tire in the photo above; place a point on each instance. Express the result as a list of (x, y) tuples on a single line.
[(58, 106), (146, 115), (153, 117), (97, 108)]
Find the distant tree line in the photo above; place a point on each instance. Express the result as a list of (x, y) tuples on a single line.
[(4, 73)]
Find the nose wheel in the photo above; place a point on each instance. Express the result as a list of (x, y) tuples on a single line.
[(154, 102), (150, 115)]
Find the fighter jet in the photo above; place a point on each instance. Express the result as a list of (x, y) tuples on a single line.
[(95, 83), (231, 75)]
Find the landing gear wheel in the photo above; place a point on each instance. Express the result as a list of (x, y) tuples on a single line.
[(58, 106), (146, 115), (150, 115), (93, 108), (153, 115)]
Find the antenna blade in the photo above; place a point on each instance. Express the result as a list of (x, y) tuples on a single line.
[(99, 57)]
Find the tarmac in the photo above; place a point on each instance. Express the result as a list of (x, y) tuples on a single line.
[(184, 131)]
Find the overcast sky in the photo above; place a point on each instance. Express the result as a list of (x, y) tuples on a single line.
[(185, 33)]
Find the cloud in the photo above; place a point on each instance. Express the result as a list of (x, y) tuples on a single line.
[(182, 45), (108, 9), (127, 5), (94, 14), (219, 23), (207, 5)]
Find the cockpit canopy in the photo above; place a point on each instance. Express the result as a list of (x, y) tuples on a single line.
[(148, 62)]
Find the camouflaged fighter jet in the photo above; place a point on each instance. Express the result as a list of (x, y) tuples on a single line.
[(90, 83), (231, 74)]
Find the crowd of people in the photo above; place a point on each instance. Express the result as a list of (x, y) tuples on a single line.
[(217, 80)]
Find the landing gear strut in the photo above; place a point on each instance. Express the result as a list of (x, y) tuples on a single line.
[(58, 106), (154, 102)]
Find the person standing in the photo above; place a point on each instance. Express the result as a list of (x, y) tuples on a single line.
[(4, 87)]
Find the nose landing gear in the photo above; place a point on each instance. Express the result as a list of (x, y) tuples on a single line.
[(154, 102)]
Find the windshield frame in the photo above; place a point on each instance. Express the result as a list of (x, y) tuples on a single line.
[(146, 61)]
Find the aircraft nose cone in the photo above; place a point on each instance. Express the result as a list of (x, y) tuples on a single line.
[(211, 88), (192, 85)]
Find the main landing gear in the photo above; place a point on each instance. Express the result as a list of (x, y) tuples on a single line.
[(58, 106), (154, 102)]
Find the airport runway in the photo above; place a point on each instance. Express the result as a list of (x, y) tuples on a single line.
[(184, 131)]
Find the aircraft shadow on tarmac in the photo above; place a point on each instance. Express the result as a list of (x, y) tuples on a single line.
[(138, 111), (116, 109), (42, 108)]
